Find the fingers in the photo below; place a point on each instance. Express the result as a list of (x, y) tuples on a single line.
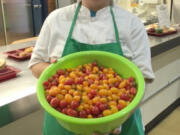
[(53, 60), (117, 131)]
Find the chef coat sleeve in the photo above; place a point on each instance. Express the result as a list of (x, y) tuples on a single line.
[(141, 48), (40, 52)]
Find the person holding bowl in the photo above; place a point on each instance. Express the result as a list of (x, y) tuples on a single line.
[(92, 25)]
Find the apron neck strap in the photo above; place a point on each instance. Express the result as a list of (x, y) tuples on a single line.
[(74, 20), (76, 16), (115, 26)]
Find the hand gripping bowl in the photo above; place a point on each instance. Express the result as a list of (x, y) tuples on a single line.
[(80, 126)]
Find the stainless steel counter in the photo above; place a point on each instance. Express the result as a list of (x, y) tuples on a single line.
[(162, 44), (155, 41), (19, 93), (21, 86)]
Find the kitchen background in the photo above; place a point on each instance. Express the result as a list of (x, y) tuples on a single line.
[(21, 19), (20, 112)]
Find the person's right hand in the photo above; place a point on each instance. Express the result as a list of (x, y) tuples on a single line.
[(38, 68), (53, 60)]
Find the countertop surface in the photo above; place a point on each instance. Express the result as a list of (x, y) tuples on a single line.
[(21, 86), (155, 41), (25, 84)]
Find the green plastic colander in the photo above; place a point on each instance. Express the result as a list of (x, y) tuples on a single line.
[(80, 126)]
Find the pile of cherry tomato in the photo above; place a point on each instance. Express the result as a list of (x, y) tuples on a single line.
[(89, 91)]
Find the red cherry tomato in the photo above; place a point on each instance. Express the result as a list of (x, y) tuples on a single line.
[(82, 114), (104, 77), (54, 83), (127, 87), (63, 104), (111, 85), (72, 112), (95, 110), (115, 74), (103, 107), (100, 115), (46, 84), (93, 92), (101, 68), (90, 96), (98, 104), (83, 75), (125, 97), (88, 111), (131, 79), (64, 111), (60, 72), (49, 98), (54, 102), (74, 104), (88, 71), (116, 84), (59, 109), (57, 80), (55, 76), (90, 82), (133, 91), (120, 107), (94, 64), (80, 80), (50, 79), (48, 87), (69, 82), (84, 70), (101, 76)]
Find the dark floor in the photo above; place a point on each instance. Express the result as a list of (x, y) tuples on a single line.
[(169, 126)]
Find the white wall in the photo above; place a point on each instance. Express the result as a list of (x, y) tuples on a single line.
[(63, 3), (176, 12)]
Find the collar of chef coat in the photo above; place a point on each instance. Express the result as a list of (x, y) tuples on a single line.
[(85, 12)]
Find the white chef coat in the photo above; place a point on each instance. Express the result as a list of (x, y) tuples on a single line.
[(94, 30)]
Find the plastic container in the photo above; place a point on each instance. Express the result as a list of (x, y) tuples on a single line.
[(9, 73), (15, 54), (161, 34), (100, 125)]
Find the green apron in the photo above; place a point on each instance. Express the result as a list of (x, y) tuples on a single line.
[(133, 126), (5, 116)]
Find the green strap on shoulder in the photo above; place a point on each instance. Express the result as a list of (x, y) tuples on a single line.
[(116, 30), (74, 21)]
